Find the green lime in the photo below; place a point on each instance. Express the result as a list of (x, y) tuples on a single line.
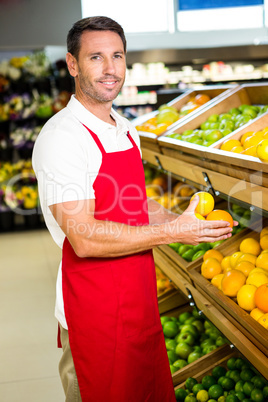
[(190, 382), (215, 391), (184, 248), (240, 395), (202, 396), (239, 363), (247, 374), (184, 316), (197, 388), (257, 395), (180, 394), (235, 375), (221, 379), (265, 392), (239, 385), (221, 399), (231, 398), (218, 371), (170, 329), (198, 254), (188, 255), (190, 398), (208, 381), (228, 384), (212, 400), (259, 382), (172, 369), (175, 246), (248, 387), (231, 363)]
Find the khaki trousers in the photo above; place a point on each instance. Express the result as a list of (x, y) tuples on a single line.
[(67, 370)]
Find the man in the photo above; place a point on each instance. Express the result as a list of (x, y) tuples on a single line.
[(92, 192)]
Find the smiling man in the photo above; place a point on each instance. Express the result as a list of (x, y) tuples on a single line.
[(92, 192)]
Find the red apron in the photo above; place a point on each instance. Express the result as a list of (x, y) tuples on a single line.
[(110, 304)]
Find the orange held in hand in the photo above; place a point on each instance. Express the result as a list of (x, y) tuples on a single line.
[(206, 203), (220, 215)]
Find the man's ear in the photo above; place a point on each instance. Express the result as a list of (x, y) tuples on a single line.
[(71, 64)]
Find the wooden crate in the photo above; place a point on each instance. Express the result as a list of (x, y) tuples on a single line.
[(149, 140), (257, 334), (253, 94), (170, 300)]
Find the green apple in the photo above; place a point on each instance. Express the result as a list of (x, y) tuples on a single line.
[(187, 338), (209, 349), (207, 342), (183, 350), (225, 116), (172, 356), (193, 357), (180, 363), (205, 125), (199, 325), (226, 131), (234, 111), (190, 320), (197, 348), (213, 118), (227, 124), (191, 329), (172, 369), (221, 340), (170, 344), (184, 316)]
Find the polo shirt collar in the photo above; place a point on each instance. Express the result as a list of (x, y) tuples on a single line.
[(95, 124)]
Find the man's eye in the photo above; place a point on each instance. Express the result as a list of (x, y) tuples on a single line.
[(95, 58), (118, 56)]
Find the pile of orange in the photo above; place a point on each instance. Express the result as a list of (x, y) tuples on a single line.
[(168, 115), (253, 143), (242, 275)]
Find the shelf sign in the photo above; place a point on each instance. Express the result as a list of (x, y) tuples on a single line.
[(184, 5)]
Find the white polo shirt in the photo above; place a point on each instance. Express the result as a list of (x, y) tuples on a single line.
[(66, 161)]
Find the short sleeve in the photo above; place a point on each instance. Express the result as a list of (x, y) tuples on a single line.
[(61, 167)]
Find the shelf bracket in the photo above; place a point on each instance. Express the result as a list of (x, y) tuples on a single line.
[(209, 185), (158, 162)]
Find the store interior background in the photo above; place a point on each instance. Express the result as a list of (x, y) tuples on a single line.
[(29, 258)]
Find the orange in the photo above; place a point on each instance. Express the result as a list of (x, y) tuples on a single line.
[(216, 280), (244, 136), (227, 145), (261, 297), (264, 231), (206, 203), (258, 270), (245, 297), (251, 151), (213, 254), (262, 150), (248, 257), (245, 267), (234, 258), (250, 245), (210, 268), (225, 262), (200, 99), (226, 269), (256, 313), (263, 320), (160, 181), (232, 281), (262, 261), (186, 191), (251, 141), (257, 279), (264, 242), (237, 149), (220, 215), (198, 216)]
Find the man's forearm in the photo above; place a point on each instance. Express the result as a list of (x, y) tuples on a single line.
[(158, 214)]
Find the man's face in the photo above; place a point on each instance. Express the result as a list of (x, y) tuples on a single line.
[(101, 66)]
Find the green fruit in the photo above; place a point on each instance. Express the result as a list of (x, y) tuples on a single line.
[(180, 394), (197, 388), (235, 375), (190, 320), (250, 112), (190, 398), (164, 319), (247, 374), (191, 329), (182, 249), (265, 392), (208, 349), (180, 363), (170, 344), (231, 398), (190, 382), (214, 136), (221, 340), (248, 388), (221, 379), (198, 254), (176, 136), (213, 118), (218, 371), (175, 246), (199, 325), (239, 385), (259, 382), (206, 342), (184, 316), (170, 329), (202, 396), (172, 357), (193, 356), (228, 384), (240, 395), (208, 381), (257, 395), (183, 350), (231, 363), (188, 255), (234, 111), (172, 369), (216, 243), (215, 391), (186, 337), (202, 246)]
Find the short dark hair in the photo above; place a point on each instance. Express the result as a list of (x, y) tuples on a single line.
[(92, 24)]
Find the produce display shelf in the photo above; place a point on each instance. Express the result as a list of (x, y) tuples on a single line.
[(149, 139), (228, 307), (171, 299), (234, 188), (235, 336)]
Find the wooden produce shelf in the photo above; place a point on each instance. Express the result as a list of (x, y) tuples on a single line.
[(170, 300), (228, 307), (149, 140)]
